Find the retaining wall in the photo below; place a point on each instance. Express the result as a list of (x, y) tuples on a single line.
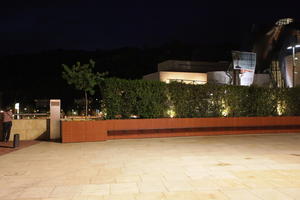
[(89, 131), (29, 129)]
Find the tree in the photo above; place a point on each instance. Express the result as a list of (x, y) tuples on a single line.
[(83, 78)]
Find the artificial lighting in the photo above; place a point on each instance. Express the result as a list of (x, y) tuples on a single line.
[(171, 113), (225, 109), (284, 21), (290, 47), (281, 107), (17, 106)]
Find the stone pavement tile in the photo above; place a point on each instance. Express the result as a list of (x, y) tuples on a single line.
[(14, 171), (176, 176), (7, 147), (286, 158), (10, 193), (123, 188), (231, 167), (257, 183), (87, 172), (174, 186), (129, 171), (87, 197), (111, 171), (282, 183), (65, 191), (76, 180), (198, 174), (228, 184), (242, 194), (18, 181), (182, 195), (291, 192), (211, 195), (128, 179), (120, 197), (36, 192), (151, 186), (204, 184), (289, 172), (102, 180), (95, 189), (284, 166), (223, 174), (295, 182), (29, 199), (142, 161), (58, 181), (57, 198), (150, 196), (151, 177), (257, 166), (268, 174), (247, 174), (266, 194)]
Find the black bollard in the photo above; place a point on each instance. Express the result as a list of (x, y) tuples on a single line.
[(16, 140)]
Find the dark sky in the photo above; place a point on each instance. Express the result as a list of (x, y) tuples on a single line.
[(31, 26)]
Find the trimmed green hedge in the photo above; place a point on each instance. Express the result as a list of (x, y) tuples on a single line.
[(128, 98), (154, 99)]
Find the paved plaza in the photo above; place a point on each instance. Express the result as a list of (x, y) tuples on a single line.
[(248, 167)]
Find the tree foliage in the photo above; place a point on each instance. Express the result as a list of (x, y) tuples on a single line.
[(83, 78)]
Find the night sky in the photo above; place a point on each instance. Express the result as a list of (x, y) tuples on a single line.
[(31, 26), (127, 39)]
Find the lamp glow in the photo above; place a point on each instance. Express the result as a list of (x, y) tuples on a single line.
[(290, 47)]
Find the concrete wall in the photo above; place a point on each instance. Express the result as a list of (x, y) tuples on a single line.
[(188, 76), (199, 78), (262, 80), (191, 66), (152, 77), (30, 129), (219, 77)]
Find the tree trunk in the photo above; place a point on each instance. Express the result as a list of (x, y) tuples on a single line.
[(86, 104)]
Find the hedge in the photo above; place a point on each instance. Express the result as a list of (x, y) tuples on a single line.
[(153, 99), (129, 98)]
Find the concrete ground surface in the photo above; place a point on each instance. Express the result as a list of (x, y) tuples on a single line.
[(248, 167), (7, 147)]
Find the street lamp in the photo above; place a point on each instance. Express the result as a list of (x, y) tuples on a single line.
[(293, 57)]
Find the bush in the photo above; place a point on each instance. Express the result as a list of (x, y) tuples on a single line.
[(154, 99), (128, 98)]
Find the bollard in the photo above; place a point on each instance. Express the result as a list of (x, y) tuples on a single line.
[(16, 140)]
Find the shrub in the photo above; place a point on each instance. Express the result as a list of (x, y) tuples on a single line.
[(154, 99)]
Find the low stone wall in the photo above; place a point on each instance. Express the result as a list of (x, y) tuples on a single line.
[(89, 131), (30, 129)]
